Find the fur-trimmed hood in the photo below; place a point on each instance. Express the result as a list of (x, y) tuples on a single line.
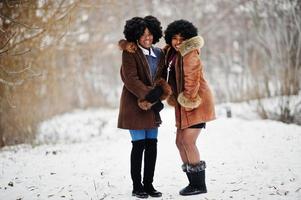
[(130, 47), (193, 43)]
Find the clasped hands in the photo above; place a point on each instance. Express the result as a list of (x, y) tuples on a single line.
[(152, 100)]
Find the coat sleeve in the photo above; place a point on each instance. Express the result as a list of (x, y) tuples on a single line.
[(130, 78), (189, 98)]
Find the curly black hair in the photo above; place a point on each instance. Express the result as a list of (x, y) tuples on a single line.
[(183, 27), (134, 28)]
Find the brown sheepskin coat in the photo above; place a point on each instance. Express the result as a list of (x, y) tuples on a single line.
[(192, 96), (135, 74)]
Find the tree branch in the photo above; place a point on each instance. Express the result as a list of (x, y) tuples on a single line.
[(9, 83), (14, 72), (20, 23), (7, 43), (21, 53), (221, 17)]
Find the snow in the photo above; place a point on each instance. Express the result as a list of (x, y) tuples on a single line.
[(87, 157), (77, 126)]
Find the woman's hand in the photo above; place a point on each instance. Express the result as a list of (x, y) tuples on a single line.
[(144, 105)]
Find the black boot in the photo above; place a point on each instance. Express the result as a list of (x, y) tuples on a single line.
[(189, 186), (150, 157), (196, 177), (136, 162)]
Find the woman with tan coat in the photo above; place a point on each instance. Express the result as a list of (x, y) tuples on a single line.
[(192, 98)]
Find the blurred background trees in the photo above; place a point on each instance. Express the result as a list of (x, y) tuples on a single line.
[(56, 56)]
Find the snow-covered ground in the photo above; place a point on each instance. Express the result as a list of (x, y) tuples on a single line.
[(246, 159)]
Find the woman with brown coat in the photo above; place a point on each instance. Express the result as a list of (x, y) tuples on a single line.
[(192, 98), (141, 97)]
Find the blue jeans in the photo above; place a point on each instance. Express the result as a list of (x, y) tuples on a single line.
[(144, 134)]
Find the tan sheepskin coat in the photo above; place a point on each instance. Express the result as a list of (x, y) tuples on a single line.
[(192, 97)]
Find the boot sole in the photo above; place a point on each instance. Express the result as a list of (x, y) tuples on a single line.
[(193, 193), (140, 197), (159, 195)]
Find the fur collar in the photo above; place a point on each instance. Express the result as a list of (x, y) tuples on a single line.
[(193, 43)]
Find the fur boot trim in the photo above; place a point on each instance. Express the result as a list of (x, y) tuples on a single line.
[(171, 100), (193, 43), (124, 45), (201, 166), (188, 103), (166, 88)]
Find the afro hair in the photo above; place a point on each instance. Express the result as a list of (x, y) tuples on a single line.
[(183, 27), (134, 28)]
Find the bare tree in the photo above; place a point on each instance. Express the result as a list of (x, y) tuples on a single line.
[(59, 55), (278, 39), (29, 30)]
